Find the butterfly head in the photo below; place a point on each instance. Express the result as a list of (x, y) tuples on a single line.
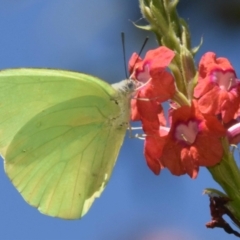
[(126, 87)]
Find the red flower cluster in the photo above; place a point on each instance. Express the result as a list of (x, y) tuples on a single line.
[(194, 137), (217, 90)]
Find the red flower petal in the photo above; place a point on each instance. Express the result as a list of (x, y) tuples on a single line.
[(161, 87), (202, 88), (209, 157), (189, 161), (209, 62), (170, 158), (152, 150), (160, 57)]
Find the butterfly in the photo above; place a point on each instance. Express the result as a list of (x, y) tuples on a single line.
[(60, 135)]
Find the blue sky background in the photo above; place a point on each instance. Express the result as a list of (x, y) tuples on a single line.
[(85, 36)]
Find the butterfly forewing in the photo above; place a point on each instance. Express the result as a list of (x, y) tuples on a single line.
[(60, 147)]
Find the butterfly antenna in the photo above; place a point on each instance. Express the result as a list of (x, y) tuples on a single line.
[(140, 52), (124, 54)]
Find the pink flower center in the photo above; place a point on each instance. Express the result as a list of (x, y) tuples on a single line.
[(143, 76), (225, 80), (187, 132)]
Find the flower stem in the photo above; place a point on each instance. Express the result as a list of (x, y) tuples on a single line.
[(181, 99), (227, 175)]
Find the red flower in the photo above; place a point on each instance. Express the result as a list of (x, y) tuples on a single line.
[(193, 141), (151, 71), (218, 90), (157, 86)]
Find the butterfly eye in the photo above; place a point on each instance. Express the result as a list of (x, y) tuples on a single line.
[(131, 85)]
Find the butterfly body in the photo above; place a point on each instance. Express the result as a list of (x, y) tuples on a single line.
[(60, 135)]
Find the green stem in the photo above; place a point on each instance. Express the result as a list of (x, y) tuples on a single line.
[(227, 175), (181, 99)]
